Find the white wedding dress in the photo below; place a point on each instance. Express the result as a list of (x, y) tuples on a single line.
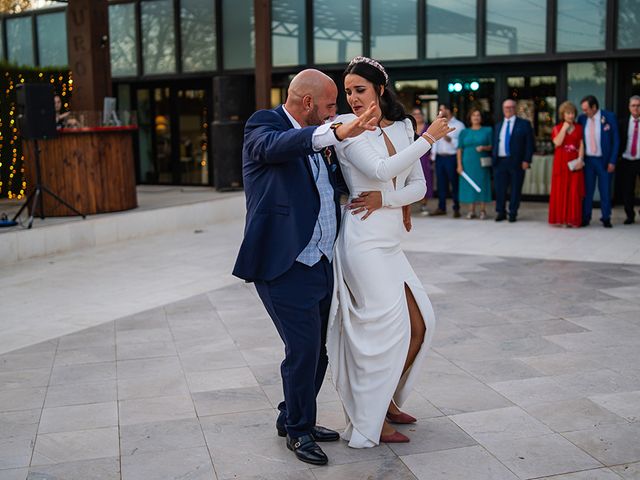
[(369, 328)]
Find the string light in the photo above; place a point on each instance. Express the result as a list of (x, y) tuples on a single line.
[(13, 184)]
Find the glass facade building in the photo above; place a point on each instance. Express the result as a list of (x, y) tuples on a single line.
[(166, 55)]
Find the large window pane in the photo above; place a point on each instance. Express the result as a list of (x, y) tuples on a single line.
[(198, 35), (581, 25), (629, 24), (158, 37), (451, 28), (288, 33), (586, 78), (394, 30), (20, 41), (239, 33), (421, 94), (337, 32), (122, 40), (516, 27), (52, 39)]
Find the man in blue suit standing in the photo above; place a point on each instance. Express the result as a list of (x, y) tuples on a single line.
[(292, 219), (513, 148), (601, 142)]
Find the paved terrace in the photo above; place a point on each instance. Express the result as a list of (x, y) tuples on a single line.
[(145, 360)]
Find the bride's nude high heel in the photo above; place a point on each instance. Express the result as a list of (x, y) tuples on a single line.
[(392, 435), (395, 437), (401, 418)]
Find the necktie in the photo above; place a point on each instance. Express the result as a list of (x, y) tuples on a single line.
[(634, 140), (507, 139), (592, 136)]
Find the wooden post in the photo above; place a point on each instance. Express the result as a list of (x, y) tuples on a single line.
[(262, 13), (89, 59)]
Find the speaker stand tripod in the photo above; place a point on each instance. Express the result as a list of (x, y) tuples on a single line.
[(36, 197)]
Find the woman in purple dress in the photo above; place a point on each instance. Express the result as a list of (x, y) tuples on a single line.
[(425, 160)]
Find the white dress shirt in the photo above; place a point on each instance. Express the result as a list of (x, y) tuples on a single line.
[(587, 135), (627, 151), (507, 122), (442, 147)]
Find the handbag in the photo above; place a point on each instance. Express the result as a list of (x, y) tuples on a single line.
[(486, 161), (575, 164)]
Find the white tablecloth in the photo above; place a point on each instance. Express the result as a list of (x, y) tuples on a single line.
[(537, 180)]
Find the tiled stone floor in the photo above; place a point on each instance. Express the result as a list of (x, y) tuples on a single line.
[(533, 374)]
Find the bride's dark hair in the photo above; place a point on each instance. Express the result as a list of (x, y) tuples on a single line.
[(374, 72)]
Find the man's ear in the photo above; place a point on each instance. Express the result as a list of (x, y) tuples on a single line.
[(307, 102)]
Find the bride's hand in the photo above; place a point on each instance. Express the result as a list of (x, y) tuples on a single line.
[(406, 217), (366, 201), (367, 121), (439, 128)]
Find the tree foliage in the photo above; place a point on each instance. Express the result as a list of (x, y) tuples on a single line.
[(14, 6)]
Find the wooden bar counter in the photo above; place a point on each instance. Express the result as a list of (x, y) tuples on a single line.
[(90, 168)]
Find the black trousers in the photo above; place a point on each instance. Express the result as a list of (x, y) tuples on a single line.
[(298, 302), (508, 174), (446, 174), (629, 170)]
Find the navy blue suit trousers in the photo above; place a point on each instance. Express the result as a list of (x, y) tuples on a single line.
[(298, 302)]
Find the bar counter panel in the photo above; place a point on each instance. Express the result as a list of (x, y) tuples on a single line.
[(90, 168)]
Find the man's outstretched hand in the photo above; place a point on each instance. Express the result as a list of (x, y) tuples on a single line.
[(367, 121)]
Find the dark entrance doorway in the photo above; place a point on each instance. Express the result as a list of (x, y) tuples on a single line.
[(173, 139)]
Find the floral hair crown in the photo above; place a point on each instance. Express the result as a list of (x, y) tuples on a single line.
[(373, 63)]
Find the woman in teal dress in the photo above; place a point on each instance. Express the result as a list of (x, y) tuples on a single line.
[(473, 144)]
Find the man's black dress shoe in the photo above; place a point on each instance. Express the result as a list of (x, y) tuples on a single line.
[(500, 217), (606, 223), (320, 434), (307, 450), (585, 223), (629, 221), (512, 219)]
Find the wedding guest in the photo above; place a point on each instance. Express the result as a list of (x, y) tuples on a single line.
[(513, 148), (567, 178), (602, 143), (630, 161), (425, 160), (61, 117), (473, 144), (445, 155)]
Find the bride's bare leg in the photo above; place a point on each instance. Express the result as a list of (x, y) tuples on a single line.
[(387, 429), (418, 329), (418, 332)]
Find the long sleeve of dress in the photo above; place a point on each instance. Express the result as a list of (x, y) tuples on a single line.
[(366, 159), (414, 189)]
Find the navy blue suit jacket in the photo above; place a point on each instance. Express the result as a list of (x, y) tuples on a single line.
[(521, 142), (283, 202), (609, 136)]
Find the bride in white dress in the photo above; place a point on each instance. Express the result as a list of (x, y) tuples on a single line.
[(381, 321)]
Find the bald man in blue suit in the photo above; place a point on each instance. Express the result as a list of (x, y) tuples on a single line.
[(292, 190)]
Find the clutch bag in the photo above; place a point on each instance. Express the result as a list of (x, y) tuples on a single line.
[(575, 164), (486, 161)]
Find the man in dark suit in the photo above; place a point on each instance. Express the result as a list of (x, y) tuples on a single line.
[(513, 145), (292, 220), (601, 145), (630, 162)]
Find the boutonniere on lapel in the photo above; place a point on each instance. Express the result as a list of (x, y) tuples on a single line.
[(327, 155), (605, 125)]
